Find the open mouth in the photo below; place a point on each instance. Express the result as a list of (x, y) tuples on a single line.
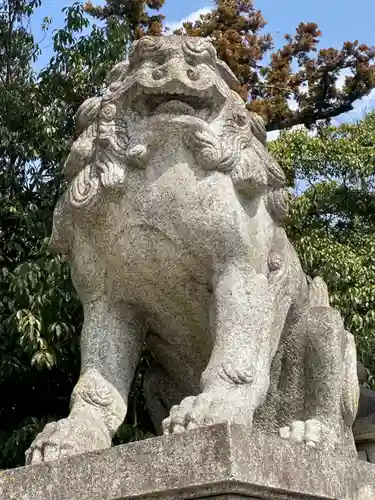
[(204, 105), (176, 104)]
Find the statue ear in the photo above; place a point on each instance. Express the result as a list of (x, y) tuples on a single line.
[(226, 73), (87, 113), (258, 127)]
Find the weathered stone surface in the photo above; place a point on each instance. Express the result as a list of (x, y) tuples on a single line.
[(217, 461), (171, 224)]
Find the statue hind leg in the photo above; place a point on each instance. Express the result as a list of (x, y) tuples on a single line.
[(331, 385), (161, 394)]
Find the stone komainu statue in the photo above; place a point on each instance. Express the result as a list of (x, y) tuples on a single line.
[(172, 226)]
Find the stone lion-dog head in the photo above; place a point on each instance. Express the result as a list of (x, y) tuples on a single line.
[(168, 85)]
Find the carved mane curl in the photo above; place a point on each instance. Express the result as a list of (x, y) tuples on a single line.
[(277, 193)]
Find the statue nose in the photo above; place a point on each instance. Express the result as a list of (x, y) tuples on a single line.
[(175, 70), (172, 71)]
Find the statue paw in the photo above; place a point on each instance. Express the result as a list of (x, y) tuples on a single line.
[(204, 410), (68, 436), (311, 432)]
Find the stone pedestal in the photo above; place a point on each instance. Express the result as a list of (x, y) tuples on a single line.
[(220, 461)]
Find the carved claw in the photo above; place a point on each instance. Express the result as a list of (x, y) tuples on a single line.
[(311, 432), (65, 437), (207, 409)]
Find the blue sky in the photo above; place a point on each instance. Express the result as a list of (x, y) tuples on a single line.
[(339, 20)]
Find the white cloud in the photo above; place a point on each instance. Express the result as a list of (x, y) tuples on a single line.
[(273, 135), (194, 16), (361, 108)]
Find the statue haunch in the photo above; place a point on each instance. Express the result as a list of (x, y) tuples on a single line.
[(171, 223)]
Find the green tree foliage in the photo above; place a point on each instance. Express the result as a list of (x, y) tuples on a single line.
[(133, 13), (332, 222), (40, 314)]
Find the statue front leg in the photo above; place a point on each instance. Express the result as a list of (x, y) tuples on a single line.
[(247, 319), (111, 341)]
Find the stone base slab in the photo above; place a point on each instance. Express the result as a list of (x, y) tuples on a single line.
[(221, 462)]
